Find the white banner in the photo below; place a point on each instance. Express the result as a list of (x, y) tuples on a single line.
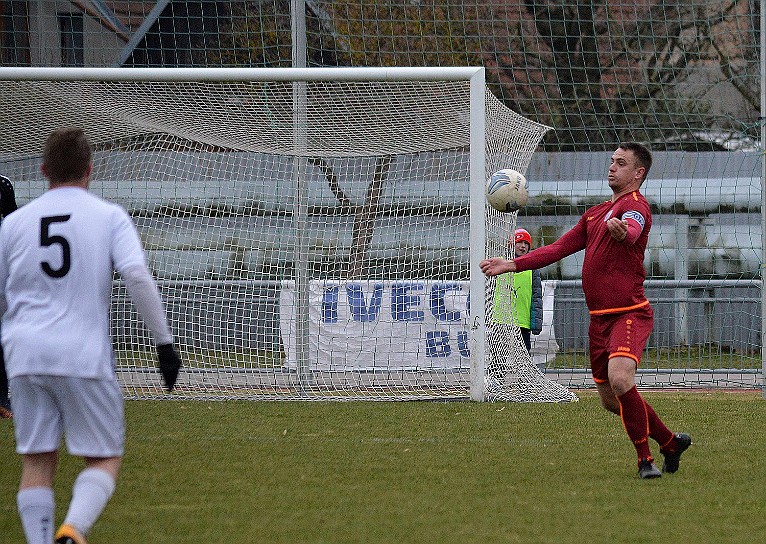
[(390, 325)]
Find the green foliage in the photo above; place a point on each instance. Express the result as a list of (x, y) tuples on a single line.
[(421, 472)]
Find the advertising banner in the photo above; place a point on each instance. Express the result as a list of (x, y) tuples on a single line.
[(392, 325)]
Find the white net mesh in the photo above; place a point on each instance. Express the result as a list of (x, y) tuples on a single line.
[(310, 240)]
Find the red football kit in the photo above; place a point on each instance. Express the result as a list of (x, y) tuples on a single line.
[(612, 277)]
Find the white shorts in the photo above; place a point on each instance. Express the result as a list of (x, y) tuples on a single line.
[(90, 413)]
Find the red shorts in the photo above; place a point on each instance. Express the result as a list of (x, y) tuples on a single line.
[(618, 335)]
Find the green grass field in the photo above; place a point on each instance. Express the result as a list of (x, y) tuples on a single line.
[(421, 472)]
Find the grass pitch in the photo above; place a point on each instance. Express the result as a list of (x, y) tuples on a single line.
[(250, 472)]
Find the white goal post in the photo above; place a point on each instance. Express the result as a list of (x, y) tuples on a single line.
[(315, 233)]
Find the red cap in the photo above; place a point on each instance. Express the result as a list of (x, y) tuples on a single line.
[(521, 235)]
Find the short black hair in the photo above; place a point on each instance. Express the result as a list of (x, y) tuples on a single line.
[(642, 154)]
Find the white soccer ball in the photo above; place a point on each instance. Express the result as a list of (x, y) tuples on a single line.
[(507, 190)]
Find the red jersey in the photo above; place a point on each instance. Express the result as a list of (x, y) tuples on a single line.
[(613, 272)]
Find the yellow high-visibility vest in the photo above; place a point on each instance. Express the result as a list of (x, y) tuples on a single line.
[(513, 300)]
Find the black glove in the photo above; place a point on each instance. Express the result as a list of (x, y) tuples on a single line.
[(7, 197), (170, 362)]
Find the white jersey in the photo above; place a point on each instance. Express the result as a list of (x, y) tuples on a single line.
[(57, 258)]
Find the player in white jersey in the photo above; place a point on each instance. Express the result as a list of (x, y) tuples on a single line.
[(57, 258)]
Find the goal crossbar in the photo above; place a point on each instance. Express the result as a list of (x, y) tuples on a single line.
[(453, 73)]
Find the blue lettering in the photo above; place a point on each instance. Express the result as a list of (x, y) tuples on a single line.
[(330, 305), (401, 301), (360, 311), (439, 306), (437, 344)]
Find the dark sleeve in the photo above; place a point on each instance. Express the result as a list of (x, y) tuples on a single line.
[(536, 321), (7, 197)]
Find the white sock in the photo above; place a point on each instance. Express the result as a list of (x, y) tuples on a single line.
[(36, 510), (92, 490)]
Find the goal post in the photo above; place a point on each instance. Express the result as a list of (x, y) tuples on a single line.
[(316, 233)]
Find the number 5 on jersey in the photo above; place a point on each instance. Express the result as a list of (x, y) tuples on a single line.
[(47, 240)]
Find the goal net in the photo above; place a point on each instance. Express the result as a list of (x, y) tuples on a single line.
[(315, 233)]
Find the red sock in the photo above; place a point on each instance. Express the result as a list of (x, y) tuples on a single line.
[(658, 431), (635, 419)]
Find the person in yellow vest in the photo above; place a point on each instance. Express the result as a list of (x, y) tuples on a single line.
[(519, 296)]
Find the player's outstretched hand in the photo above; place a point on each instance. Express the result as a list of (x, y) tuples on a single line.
[(170, 363), (495, 266)]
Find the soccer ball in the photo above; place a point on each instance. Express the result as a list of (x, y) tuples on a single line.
[(507, 190)]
